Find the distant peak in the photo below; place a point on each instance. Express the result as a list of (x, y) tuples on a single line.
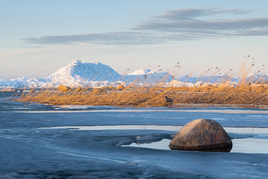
[(141, 72), (78, 70), (146, 71)]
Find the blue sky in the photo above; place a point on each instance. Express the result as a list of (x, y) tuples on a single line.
[(39, 37)]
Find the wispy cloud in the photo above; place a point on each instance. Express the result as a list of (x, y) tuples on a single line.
[(188, 14), (124, 38), (174, 25), (98, 38), (191, 19)]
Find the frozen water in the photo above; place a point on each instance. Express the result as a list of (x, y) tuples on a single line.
[(160, 145), (241, 143), (244, 145), (32, 148)]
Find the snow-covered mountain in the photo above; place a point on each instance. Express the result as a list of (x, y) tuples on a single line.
[(80, 73), (144, 71), (96, 74), (77, 73), (148, 76), (25, 83), (207, 79), (253, 77)]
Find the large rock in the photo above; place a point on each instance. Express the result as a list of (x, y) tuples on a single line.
[(202, 135), (120, 87), (64, 88)]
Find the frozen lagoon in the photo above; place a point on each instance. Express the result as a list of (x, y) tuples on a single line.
[(39, 141)]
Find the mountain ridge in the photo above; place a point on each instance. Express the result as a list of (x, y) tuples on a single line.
[(96, 74)]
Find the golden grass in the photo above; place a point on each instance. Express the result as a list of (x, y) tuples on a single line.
[(245, 94)]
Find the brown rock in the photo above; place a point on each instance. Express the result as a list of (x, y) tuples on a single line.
[(120, 87), (202, 135), (64, 88)]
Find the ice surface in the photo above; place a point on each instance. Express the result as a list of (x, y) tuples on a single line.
[(31, 149), (246, 145), (245, 142)]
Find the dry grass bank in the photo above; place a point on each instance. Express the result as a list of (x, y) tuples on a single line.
[(241, 95)]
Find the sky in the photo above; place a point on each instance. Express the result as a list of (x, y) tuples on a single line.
[(39, 37)]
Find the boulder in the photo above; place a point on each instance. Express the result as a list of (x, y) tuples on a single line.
[(120, 87), (202, 135), (64, 88)]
